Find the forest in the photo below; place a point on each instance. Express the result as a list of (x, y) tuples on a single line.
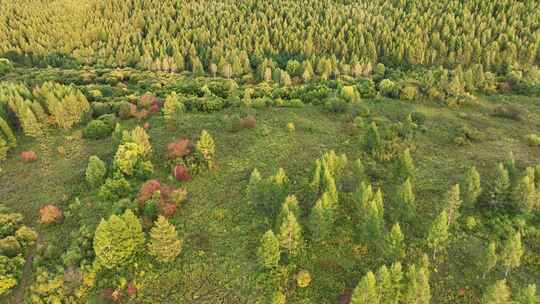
[(287, 151)]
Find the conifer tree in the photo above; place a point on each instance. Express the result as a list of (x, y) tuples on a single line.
[(172, 109), (373, 142), (117, 239), (384, 285), (404, 168), (366, 291), (438, 234), (470, 187), (206, 148), (321, 217), (499, 293), (3, 150), (269, 251), (164, 242), (395, 249), (453, 203), (489, 259), (394, 296), (4, 128), (512, 252), (524, 194), (290, 235), (406, 205), (373, 222), (254, 186), (501, 189)]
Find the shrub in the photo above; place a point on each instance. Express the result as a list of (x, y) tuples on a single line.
[(148, 189), (533, 140), (337, 105), (125, 110), (206, 149), (367, 89), (291, 127), (28, 156), (388, 88), (49, 214), (101, 108), (418, 118), (180, 172), (409, 92), (179, 149), (249, 122), (95, 172), (26, 236), (97, 129), (114, 188), (10, 247), (508, 112), (303, 279)]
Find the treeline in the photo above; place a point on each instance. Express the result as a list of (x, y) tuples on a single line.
[(235, 38)]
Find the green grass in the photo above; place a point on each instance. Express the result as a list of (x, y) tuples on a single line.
[(222, 231)]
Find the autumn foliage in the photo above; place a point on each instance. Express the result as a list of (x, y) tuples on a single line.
[(181, 173), (28, 156), (50, 214)]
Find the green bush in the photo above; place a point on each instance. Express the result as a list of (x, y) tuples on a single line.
[(96, 171), (97, 129), (533, 140), (337, 105), (388, 88), (366, 88), (114, 189), (409, 92), (101, 108)]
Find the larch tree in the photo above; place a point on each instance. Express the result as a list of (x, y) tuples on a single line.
[(366, 292), (498, 293), (395, 248), (165, 245), (290, 235), (269, 252), (512, 252), (470, 187), (438, 235)]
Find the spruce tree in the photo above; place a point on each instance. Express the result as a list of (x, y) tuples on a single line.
[(164, 242), (499, 293), (438, 234), (366, 291), (470, 187), (269, 251), (512, 252), (395, 249)]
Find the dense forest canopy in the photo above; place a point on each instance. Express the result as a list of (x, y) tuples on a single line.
[(176, 35)]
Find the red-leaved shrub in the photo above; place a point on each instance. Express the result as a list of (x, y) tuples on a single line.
[(147, 190), (49, 214), (180, 148), (168, 209), (181, 173), (131, 289), (249, 122), (146, 126), (28, 156)]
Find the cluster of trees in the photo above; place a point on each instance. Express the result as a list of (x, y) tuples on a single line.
[(32, 111), (15, 241)]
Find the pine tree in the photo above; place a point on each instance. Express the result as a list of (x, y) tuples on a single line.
[(366, 291), (499, 293), (290, 235), (206, 148), (501, 189), (512, 252), (117, 239), (395, 249), (269, 251), (489, 259), (453, 203), (95, 172), (404, 168), (164, 244), (471, 188), (438, 234), (524, 194)]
